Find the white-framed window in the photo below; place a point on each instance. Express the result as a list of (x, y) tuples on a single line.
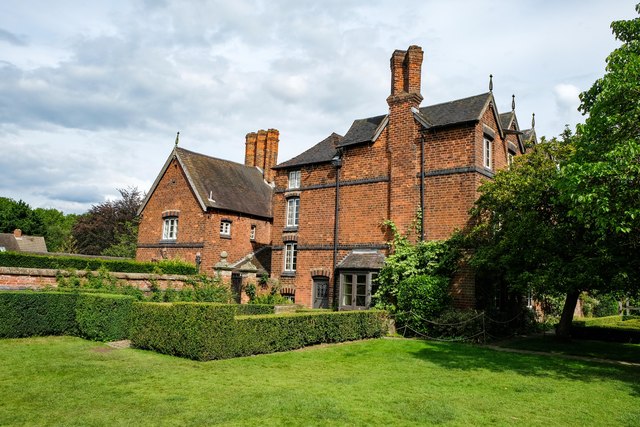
[(293, 208), (252, 232), (290, 256), (294, 179), (170, 228), (225, 228), (529, 299), (356, 289), (487, 153), (510, 158)]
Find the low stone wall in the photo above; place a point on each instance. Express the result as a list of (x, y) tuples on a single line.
[(17, 278)]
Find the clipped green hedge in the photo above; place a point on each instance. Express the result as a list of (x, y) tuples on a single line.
[(26, 314), (626, 322), (62, 262), (199, 331), (210, 331), (104, 317), (609, 328), (282, 332), (254, 309), (94, 316)]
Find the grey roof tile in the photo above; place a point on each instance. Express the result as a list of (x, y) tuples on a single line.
[(362, 260), (232, 186), (506, 119), (23, 244), (362, 130), (458, 111), (322, 152)]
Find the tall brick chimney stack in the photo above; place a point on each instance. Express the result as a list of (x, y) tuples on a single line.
[(261, 151), (406, 69), (271, 154), (404, 136), (250, 149)]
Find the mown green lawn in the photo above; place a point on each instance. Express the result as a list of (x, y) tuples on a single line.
[(70, 381), (588, 348)]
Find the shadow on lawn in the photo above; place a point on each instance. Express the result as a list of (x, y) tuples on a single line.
[(467, 357)]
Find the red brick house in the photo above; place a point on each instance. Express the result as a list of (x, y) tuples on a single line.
[(331, 200), (324, 221), (200, 206)]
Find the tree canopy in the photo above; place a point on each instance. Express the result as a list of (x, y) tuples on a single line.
[(110, 227), (601, 183), (565, 217)]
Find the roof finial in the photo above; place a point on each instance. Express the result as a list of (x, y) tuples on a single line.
[(490, 82), (533, 120), (177, 138), (513, 103)]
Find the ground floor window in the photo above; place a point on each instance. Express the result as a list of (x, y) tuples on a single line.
[(356, 289)]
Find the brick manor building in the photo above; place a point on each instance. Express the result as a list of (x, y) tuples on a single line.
[(314, 222)]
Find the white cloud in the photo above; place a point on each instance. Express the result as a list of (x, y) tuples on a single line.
[(567, 96), (91, 95)]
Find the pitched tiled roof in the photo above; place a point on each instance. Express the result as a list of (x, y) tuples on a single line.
[(222, 184), (23, 243), (506, 119), (322, 152), (362, 130), (260, 258), (529, 135), (458, 111), (228, 185), (362, 260)]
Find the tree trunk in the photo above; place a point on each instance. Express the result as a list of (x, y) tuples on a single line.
[(564, 327)]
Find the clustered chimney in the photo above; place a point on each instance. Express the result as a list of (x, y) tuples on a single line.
[(406, 68), (262, 151)]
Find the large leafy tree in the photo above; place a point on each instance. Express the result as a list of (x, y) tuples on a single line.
[(524, 237), (57, 229), (19, 215), (112, 224), (52, 224), (601, 183), (566, 217)]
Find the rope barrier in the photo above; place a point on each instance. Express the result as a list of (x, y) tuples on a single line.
[(483, 327)]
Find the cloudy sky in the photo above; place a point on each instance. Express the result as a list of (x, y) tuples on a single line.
[(92, 93)]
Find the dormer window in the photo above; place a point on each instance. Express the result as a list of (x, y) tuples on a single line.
[(225, 228), (170, 228), (294, 179)]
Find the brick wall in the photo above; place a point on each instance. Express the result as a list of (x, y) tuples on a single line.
[(198, 230), (15, 278)]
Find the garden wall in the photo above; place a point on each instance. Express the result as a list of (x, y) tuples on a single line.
[(19, 278)]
